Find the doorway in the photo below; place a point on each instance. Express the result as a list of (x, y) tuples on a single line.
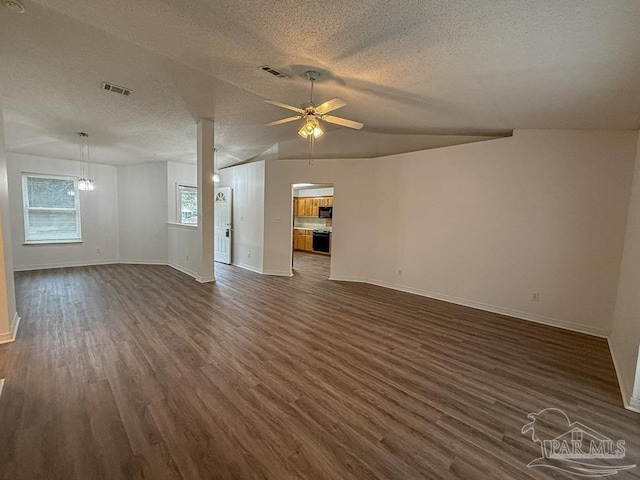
[(222, 232), (312, 232)]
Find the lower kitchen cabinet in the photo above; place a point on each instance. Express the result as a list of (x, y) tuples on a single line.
[(303, 240)]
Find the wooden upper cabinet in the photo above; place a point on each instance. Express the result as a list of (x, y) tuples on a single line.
[(309, 206)]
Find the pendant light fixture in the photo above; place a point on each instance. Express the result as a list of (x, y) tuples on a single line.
[(85, 183)]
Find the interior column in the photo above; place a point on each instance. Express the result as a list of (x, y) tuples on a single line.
[(205, 199)]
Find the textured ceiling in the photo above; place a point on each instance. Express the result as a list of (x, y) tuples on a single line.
[(414, 67)]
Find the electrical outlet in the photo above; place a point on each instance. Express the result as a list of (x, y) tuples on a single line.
[(98, 250), (399, 271), (278, 219), (248, 254), (535, 297), (187, 258)]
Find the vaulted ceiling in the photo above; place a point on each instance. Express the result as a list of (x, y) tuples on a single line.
[(414, 67)]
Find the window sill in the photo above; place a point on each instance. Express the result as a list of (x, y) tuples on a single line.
[(51, 242), (192, 226)]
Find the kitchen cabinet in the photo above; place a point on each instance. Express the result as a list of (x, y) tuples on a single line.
[(309, 206), (308, 240), (303, 240), (298, 239)]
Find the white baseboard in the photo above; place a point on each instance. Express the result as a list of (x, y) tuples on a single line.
[(625, 389), (341, 278), (207, 279), (10, 336), (182, 269), (141, 262), (26, 268), (532, 317), (553, 322), (191, 273), (261, 271), (248, 267), (277, 273)]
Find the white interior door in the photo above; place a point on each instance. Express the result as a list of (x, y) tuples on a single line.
[(222, 221)]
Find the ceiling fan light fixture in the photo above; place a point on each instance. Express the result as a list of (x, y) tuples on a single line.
[(310, 128)]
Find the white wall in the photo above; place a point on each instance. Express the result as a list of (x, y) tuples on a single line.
[(98, 210), (8, 315), (178, 174), (625, 334), (351, 219), (484, 224), (142, 212), (125, 217), (183, 240), (248, 185), (313, 192), (490, 223), (184, 245)]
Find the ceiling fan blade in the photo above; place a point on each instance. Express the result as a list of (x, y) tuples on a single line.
[(284, 105), (342, 121), (330, 106), (284, 120)]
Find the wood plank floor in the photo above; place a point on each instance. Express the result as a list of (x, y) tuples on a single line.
[(139, 372)]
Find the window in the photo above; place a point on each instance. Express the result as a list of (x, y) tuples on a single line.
[(51, 209), (187, 205)]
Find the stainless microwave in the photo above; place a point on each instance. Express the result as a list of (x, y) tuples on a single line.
[(325, 212)]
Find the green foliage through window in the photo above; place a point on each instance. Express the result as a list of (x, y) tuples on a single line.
[(51, 209), (188, 204)]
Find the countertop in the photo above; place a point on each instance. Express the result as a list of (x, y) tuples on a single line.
[(312, 228)]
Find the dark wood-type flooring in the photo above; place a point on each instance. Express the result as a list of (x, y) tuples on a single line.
[(134, 371)]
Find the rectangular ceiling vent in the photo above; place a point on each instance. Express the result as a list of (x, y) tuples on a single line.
[(116, 89), (270, 70)]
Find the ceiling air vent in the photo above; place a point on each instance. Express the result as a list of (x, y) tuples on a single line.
[(270, 70), (116, 89)]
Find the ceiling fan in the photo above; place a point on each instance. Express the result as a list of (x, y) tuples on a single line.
[(312, 114)]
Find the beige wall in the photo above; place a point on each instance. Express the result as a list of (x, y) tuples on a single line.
[(352, 212), (247, 183), (178, 174), (98, 212), (485, 224), (142, 212), (625, 334), (488, 224), (8, 314)]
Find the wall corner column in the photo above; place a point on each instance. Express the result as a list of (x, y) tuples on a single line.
[(9, 319), (206, 167)]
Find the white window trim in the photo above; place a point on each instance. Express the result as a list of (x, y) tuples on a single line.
[(179, 205), (26, 209)]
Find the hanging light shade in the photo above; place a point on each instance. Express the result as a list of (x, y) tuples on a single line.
[(85, 184)]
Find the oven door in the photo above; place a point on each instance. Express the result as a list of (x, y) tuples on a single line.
[(321, 241)]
